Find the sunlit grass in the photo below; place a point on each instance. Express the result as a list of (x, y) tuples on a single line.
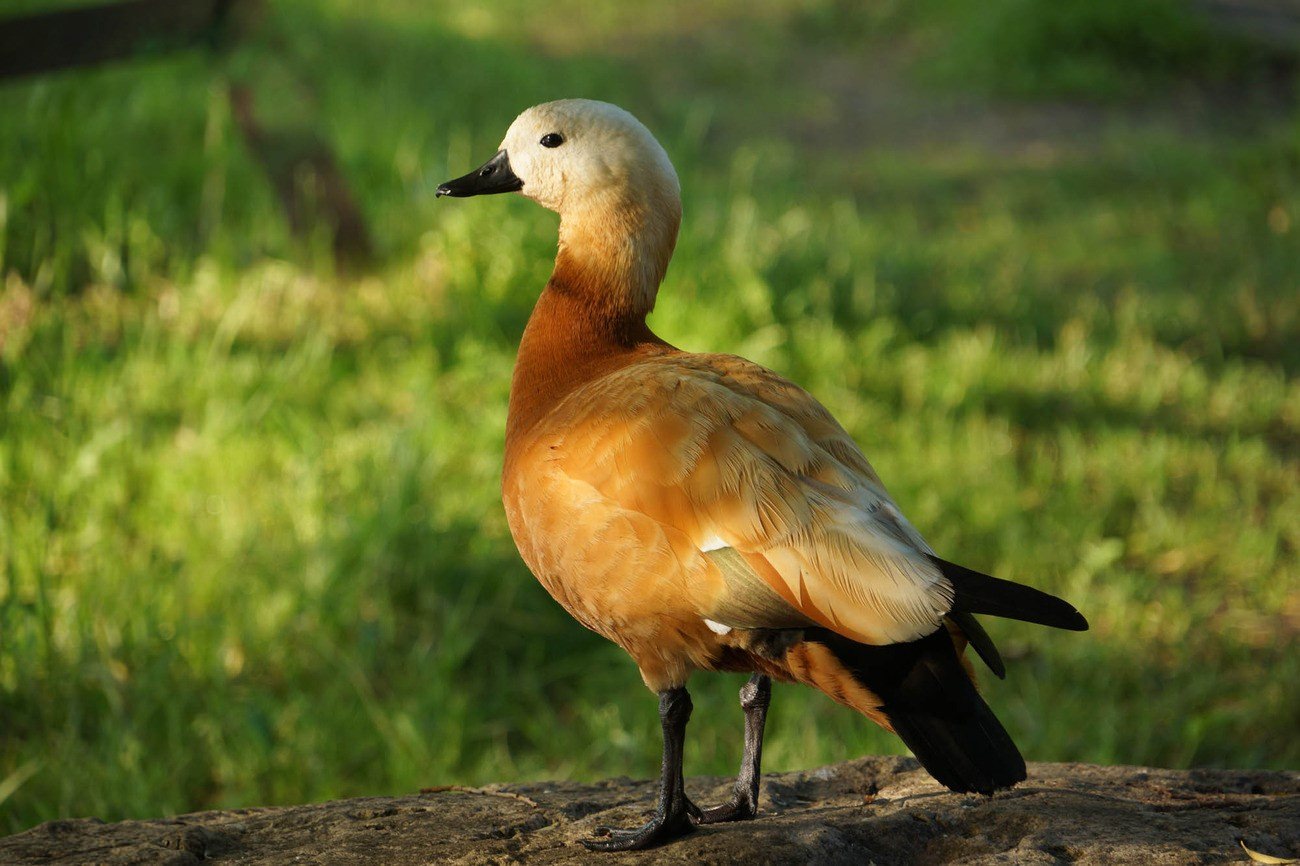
[(250, 536)]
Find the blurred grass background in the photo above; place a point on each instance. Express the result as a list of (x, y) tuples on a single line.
[(1042, 259)]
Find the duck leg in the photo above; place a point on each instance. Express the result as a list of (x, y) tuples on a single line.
[(674, 814), (755, 696)]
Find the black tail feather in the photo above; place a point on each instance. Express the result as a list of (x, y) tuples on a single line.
[(934, 707), (980, 642), (975, 592)]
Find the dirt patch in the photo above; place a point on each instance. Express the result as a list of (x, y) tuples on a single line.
[(877, 810)]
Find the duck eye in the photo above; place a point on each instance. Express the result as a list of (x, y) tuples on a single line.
[(552, 139)]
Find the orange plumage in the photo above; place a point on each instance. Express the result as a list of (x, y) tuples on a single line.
[(705, 513)]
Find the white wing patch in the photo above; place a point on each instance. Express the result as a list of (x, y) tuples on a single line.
[(712, 543), (717, 627)]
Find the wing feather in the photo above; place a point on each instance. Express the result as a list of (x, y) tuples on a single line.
[(716, 447)]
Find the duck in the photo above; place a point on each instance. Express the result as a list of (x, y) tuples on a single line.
[(707, 514)]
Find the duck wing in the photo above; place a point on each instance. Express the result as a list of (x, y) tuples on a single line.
[(749, 471)]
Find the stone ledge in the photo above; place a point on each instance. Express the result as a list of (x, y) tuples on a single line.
[(873, 810)]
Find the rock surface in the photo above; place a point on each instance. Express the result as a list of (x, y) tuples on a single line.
[(874, 810)]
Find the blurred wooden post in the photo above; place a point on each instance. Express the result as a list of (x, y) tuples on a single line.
[(305, 177), (299, 164)]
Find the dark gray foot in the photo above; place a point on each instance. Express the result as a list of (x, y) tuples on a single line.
[(755, 696), (675, 815), (739, 809), (657, 831)]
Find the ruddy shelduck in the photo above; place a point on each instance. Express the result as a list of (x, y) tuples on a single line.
[(705, 513)]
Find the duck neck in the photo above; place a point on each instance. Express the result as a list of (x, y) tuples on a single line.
[(590, 319), (614, 252)]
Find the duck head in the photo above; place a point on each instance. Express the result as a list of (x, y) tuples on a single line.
[(610, 181)]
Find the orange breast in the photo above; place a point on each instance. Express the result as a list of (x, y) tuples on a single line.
[(617, 570)]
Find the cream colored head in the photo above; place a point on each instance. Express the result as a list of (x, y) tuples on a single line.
[(596, 151), (609, 179)]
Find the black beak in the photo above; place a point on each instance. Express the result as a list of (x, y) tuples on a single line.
[(491, 177)]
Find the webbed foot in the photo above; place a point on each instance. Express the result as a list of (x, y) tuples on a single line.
[(656, 831), (741, 808), (675, 815)]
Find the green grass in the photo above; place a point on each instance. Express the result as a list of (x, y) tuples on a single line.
[(1100, 49), (251, 549)]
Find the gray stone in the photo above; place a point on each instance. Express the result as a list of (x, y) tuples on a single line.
[(875, 810)]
